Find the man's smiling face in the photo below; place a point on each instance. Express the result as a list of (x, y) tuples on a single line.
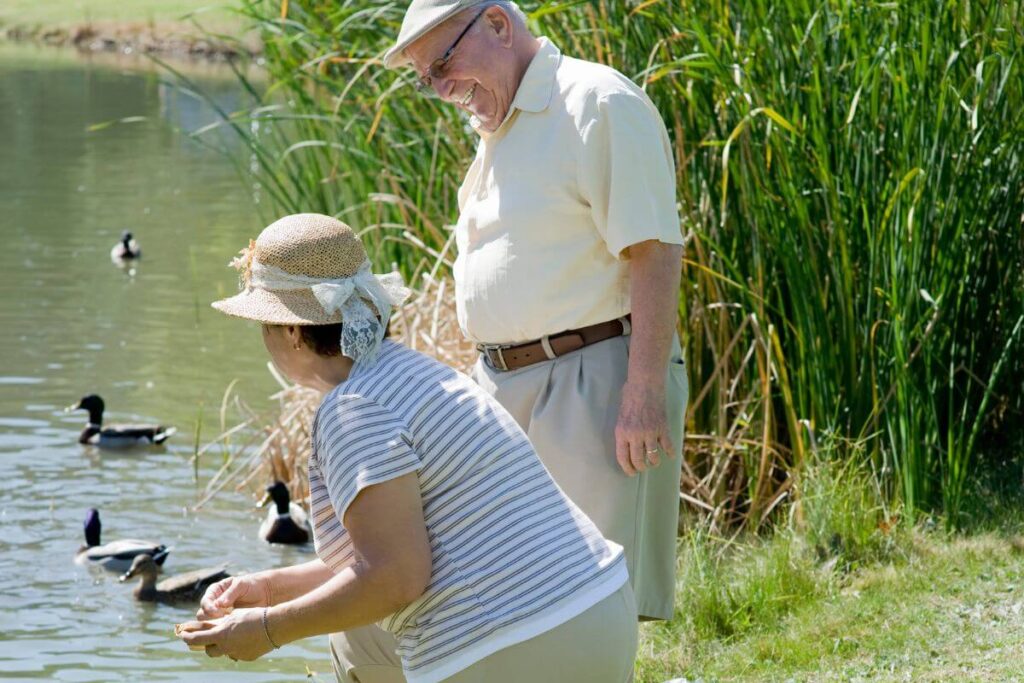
[(481, 75)]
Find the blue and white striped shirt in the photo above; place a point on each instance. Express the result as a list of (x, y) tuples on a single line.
[(512, 556)]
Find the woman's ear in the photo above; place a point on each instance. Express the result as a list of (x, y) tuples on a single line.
[(294, 333)]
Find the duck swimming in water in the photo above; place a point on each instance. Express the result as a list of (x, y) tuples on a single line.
[(286, 522), (127, 249), (116, 555), (187, 587), (116, 436)]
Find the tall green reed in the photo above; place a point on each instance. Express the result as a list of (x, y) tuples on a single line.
[(851, 182)]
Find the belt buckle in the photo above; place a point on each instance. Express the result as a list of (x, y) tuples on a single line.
[(487, 349)]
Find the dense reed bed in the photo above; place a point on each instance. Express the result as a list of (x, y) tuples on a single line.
[(851, 183)]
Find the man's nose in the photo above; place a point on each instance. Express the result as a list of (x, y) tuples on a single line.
[(444, 87)]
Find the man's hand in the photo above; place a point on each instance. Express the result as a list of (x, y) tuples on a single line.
[(641, 432)]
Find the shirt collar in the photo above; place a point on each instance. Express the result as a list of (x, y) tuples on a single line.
[(538, 83)]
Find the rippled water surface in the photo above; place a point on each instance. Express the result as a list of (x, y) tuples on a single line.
[(144, 338)]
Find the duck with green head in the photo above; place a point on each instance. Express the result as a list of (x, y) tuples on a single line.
[(286, 522), (127, 249), (116, 436), (115, 555)]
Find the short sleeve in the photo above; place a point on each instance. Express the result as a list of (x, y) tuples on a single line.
[(359, 443), (627, 174)]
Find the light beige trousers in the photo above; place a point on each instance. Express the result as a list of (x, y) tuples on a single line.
[(597, 646), (569, 407)]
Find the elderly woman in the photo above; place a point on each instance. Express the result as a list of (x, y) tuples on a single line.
[(432, 515), (568, 266)]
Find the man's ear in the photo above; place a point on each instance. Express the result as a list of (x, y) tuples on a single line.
[(498, 21), (294, 335)]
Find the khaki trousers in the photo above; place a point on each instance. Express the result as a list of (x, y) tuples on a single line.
[(569, 407), (597, 646)]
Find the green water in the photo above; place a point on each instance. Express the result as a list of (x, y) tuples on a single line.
[(142, 337)]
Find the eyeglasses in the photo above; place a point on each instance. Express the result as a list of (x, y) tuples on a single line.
[(440, 65)]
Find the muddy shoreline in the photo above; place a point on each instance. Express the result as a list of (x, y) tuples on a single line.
[(156, 39)]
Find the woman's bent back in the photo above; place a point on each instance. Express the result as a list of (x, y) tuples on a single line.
[(512, 557)]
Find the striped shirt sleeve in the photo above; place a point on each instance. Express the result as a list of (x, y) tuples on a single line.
[(360, 443)]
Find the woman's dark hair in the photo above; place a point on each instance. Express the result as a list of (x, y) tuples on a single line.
[(325, 340)]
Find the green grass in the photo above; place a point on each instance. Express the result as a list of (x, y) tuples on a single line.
[(838, 592), (951, 608), (63, 13)]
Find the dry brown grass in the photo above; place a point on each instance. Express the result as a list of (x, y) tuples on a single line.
[(734, 475), (736, 472)]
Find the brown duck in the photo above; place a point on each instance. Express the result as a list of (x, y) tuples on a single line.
[(187, 587)]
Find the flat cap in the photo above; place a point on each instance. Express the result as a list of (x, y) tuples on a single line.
[(420, 18)]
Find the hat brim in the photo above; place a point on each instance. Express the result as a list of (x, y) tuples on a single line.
[(395, 57), (298, 307)]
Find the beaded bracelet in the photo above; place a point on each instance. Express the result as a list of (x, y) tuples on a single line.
[(267, 630)]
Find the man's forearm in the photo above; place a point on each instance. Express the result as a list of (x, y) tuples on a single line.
[(654, 299)]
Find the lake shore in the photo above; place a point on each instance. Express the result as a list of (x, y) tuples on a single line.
[(135, 38), (192, 29)]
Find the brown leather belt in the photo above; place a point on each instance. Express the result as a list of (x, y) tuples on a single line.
[(506, 357)]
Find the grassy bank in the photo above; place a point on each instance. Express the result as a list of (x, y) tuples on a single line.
[(844, 593), (68, 13), (197, 29), (944, 608)]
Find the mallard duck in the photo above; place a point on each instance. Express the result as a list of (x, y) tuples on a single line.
[(116, 436), (187, 587), (127, 249), (286, 522), (116, 555)]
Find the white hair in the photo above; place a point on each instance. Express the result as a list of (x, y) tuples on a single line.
[(510, 7)]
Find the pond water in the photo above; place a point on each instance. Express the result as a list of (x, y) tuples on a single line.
[(144, 338)]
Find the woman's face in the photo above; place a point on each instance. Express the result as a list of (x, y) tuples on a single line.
[(300, 363)]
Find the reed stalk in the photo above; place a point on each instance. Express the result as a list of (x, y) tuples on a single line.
[(851, 183)]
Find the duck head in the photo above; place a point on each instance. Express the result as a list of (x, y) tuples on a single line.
[(144, 566), (277, 492), (93, 404), (126, 238), (92, 527)]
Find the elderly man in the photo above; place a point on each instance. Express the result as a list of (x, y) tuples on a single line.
[(567, 275)]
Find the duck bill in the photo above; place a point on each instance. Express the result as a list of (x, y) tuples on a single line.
[(124, 577), (73, 407), (264, 500)]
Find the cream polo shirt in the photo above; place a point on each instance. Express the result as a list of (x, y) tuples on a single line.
[(580, 169)]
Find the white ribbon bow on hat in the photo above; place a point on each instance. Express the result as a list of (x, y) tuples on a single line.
[(361, 330)]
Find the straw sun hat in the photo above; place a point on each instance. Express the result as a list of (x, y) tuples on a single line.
[(310, 269)]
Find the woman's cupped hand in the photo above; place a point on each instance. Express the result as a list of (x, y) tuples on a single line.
[(238, 635), (220, 599)]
